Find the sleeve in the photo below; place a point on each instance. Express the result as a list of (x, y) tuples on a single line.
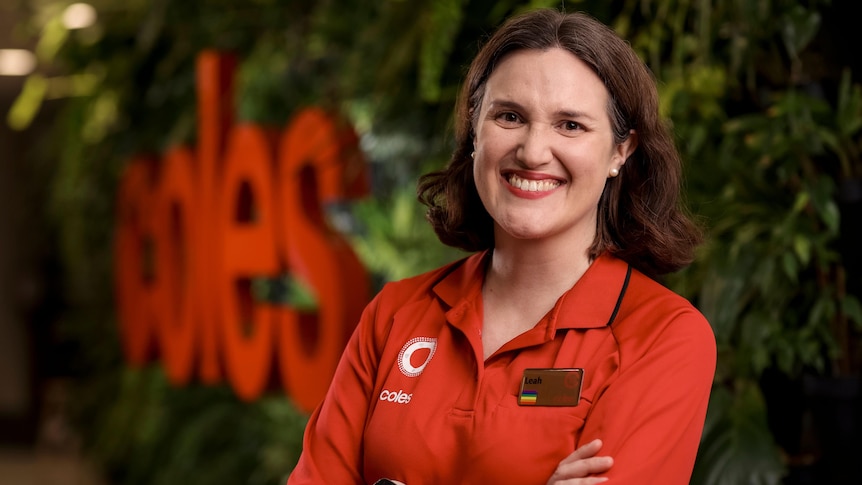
[(650, 419), (332, 443)]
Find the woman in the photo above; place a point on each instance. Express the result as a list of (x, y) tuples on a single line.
[(551, 342)]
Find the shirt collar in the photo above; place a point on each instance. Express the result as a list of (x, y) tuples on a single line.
[(463, 280), (591, 303)]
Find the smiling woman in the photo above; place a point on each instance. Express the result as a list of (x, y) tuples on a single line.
[(543, 125), (656, 238), (544, 149), (552, 343)]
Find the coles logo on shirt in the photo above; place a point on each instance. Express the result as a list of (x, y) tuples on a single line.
[(420, 345), (419, 351)]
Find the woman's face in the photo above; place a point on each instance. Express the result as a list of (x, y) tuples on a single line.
[(544, 147)]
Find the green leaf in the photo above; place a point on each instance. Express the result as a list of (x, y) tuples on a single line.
[(737, 446), (822, 193), (831, 216), (853, 310), (800, 27), (849, 105), (790, 267), (802, 200), (26, 105), (821, 312), (802, 248)]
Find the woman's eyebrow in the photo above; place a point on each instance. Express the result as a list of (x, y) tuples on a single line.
[(497, 104), (563, 113), (504, 103), (574, 114)]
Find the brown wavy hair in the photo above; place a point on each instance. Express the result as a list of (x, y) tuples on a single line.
[(640, 216)]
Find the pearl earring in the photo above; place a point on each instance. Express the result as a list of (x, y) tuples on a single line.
[(615, 172), (473, 155)]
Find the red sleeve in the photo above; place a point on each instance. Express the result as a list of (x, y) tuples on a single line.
[(332, 444), (651, 417)]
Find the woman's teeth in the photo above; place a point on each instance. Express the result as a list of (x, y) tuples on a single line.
[(533, 185)]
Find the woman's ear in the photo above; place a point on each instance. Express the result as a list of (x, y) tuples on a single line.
[(627, 147)]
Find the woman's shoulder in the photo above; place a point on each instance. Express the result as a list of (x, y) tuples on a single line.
[(651, 310), (453, 276), (643, 288), (407, 299)]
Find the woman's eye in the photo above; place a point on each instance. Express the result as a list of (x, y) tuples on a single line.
[(508, 117), (571, 126)]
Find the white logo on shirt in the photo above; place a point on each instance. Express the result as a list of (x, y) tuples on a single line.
[(399, 397), (407, 351)]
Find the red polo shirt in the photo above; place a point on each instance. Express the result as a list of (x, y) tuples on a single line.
[(412, 400)]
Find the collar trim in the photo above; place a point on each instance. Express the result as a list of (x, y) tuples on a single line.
[(593, 302)]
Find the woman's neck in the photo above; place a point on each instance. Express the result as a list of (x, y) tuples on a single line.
[(523, 282), (521, 268)]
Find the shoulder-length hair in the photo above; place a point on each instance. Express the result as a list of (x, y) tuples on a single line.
[(640, 217)]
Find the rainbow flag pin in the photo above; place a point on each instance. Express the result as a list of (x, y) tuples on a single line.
[(528, 397)]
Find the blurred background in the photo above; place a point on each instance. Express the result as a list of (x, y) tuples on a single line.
[(764, 97)]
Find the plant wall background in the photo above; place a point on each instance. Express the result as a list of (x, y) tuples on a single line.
[(764, 99)]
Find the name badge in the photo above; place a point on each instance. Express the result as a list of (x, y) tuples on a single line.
[(551, 387)]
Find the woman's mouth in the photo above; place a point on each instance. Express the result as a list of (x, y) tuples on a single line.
[(532, 185)]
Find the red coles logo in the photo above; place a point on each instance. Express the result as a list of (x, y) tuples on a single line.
[(196, 227)]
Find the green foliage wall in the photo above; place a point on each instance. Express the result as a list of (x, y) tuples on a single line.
[(768, 123)]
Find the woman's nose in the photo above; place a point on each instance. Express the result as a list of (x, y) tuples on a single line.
[(534, 149)]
